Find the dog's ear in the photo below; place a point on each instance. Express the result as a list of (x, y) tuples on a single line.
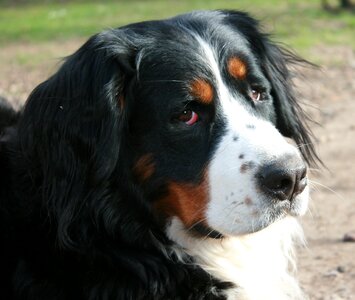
[(275, 62), (8, 115), (71, 131), (292, 121)]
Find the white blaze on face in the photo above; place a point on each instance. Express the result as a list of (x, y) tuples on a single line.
[(236, 205)]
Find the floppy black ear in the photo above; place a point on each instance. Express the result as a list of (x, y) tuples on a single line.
[(291, 118), (8, 116), (71, 134), (275, 62)]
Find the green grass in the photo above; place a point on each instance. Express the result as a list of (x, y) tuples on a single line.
[(300, 23)]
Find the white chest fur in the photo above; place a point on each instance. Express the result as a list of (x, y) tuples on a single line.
[(260, 264)]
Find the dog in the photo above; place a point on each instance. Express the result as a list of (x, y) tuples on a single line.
[(8, 115), (163, 160)]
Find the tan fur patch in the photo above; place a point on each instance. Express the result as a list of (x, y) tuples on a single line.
[(144, 167), (187, 201), (202, 91), (237, 68)]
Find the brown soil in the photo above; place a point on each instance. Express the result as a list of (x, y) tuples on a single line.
[(327, 265)]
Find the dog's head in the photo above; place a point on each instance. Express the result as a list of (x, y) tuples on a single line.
[(185, 118)]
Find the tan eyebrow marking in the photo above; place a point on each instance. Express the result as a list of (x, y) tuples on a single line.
[(237, 68), (202, 90)]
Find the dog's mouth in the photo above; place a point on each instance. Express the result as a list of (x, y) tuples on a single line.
[(262, 217), (203, 230), (279, 210)]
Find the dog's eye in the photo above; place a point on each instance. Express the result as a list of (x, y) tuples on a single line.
[(257, 94), (188, 116)]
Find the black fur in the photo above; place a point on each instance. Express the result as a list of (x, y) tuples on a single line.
[(8, 116), (75, 221)]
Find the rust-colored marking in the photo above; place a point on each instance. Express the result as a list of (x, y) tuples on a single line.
[(248, 201), (246, 166), (121, 102), (202, 91), (144, 167), (237, 68), (186, 201)]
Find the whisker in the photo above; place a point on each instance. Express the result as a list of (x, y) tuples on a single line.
[(327, 188), (310, 209), (208, 234), (313, 186), (195, 224), (225, 147), (313, 170)]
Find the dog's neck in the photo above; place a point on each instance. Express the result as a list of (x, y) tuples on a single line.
[(259, 264)]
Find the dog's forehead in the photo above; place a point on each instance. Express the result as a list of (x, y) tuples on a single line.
[(181, 46)]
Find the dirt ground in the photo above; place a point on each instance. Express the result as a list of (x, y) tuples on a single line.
[(327, 265)]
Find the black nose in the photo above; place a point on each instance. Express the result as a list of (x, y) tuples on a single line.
[(283, 180)]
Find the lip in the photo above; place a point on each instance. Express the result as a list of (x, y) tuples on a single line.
[(294, 207)]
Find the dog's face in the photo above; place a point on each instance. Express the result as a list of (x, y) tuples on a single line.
[(204, 125), (198, 108)]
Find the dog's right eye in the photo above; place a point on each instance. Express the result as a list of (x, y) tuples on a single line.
[(189, 117)]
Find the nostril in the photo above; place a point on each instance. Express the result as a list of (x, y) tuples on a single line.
[(303, 172), (301, 181), (275, 183), (300, 186), (285, 183)]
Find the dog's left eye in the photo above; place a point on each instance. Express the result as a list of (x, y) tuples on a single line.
[(188, 116), (257, 94)]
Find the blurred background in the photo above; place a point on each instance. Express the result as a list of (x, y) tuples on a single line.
[(36, 34)]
